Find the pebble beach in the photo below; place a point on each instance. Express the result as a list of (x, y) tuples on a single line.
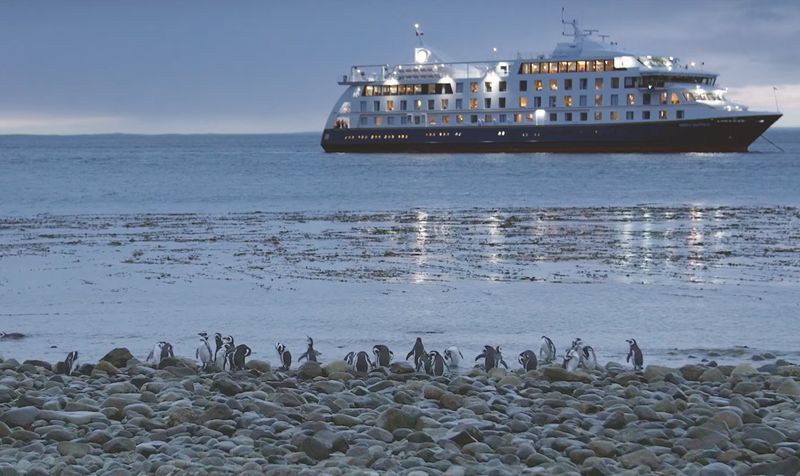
[(121, 416)]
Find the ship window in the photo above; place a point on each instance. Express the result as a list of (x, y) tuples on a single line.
[(488, 86), (673, 99), (432, 120), (445, 119), (524, 68), (590, 66), (368, 90), (445, 104), (534, 68), (567, 84), (584, 116), (390, 105), (598, 116), (598, 83), (630, 81), (488, 119), (523, 101), (460, 87), (646, 115), (473, 103), (581, 66), (688, 96), (459, 103), (598, 66), (459, 118), (502, 86), (529, 117), (418, 104), (417, 89), (572, 66), (615, 83), (487, 103), (473, 86), (562, 67), (662, 114), (646, 99), (517, 118), (523, 86), (553, 117), (403, 120), (629, 115), (363, 106), (583, 83), (609, 65), (663, 96), (378, 120), (615, 99), (431, 104), (553, 67), (362, 120), (544, 67), (598, 99), (417, 120), (582, 101), (552, 101), (473, 118), (376, 106), (502, 118), (403, 105), (502, 103), (553, 85), (631, 99), (567, 101), (679, 114), (537, 102), (568, 116), (538, 85), (390, 120), (614, 115)]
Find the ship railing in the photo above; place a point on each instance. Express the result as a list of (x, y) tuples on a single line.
[(363, 74)]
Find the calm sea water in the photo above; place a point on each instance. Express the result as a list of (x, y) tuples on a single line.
[(69, 286)]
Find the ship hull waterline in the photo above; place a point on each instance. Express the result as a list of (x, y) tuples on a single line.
[(733, 134)]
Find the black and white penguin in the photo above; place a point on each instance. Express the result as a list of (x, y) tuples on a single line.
[(636, 353), (547, 351), (528, 360), (587, 358), (237, 356), (11, 335), (570, 361), (219, 351), (492, 357), (284, 355), (167, 352), (154, 357), (453, 356), (359, 362), (383, 356), (71, 363), (310, 354), (437, 365), (203, 352), (418, 351)]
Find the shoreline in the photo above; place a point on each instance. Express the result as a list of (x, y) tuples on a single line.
[(130, 417)]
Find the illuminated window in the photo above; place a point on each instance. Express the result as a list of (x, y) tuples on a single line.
[(529, 117), (488, 119), (523, 86), (502, 86), (523, 101), (473, 86), (534, 68), (673, 99), (662, 114), (599, 66), (488, 86), (525, 68), (445, 119), (473, 103), (598, 99), (567, 101), (572, 66), (646, 115), (544, 67), (553, 85), (390, 105), (614, 115), (629, 115), (487, 103), (598, 116), (459, 118), (598, 83), (567, 84), (537, 85), (418, 104), (369, 90), (581, 66), (615, 83), (663, 97), (562, 66), (432, 120), (631, 99), (609, 65), (445, 104), (553, 67), (517, 118), (378, 120), (502, 103)]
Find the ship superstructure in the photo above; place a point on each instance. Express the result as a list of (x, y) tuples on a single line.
[(587, 96)]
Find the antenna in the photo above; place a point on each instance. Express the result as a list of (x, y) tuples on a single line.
[(775, 92), (418, 31)]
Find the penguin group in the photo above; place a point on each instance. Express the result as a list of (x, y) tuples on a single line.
[(226, 355)]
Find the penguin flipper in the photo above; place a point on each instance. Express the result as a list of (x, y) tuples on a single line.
[(504, 363), (410, 354), (481, 356), (304, 355), (318, 353), (149, 356), (629, 357)]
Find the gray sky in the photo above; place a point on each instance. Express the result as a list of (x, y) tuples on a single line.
[(262, 66)]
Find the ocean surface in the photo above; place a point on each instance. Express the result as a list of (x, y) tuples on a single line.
[(119, 240)]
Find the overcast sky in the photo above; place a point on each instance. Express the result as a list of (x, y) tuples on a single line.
[(263, 66)]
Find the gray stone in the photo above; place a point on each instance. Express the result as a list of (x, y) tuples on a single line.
[(763, 432), (640, 457), (217, 411), (394, 418), (309, 370), (315, 449), (74, 449), (226, 385), (118, 357), (712, 375), (23, 417), (119, 445)]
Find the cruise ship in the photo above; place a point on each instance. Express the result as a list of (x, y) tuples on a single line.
[(587, 96)]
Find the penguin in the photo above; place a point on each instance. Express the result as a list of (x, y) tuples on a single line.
[(203, 352), (636, 353), (71, 363), (570, 361), (383, 356), (349, 358), (418, 351), (11, 335), (437, 365), (156, 354), (425, 363), (453, 356), (237, 356), (219, 352), (284, 355), (358, 362), (528, 360), (492, 357), (166, 351), (310, 354), (227, 356), (547, 351), (587, 358)]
